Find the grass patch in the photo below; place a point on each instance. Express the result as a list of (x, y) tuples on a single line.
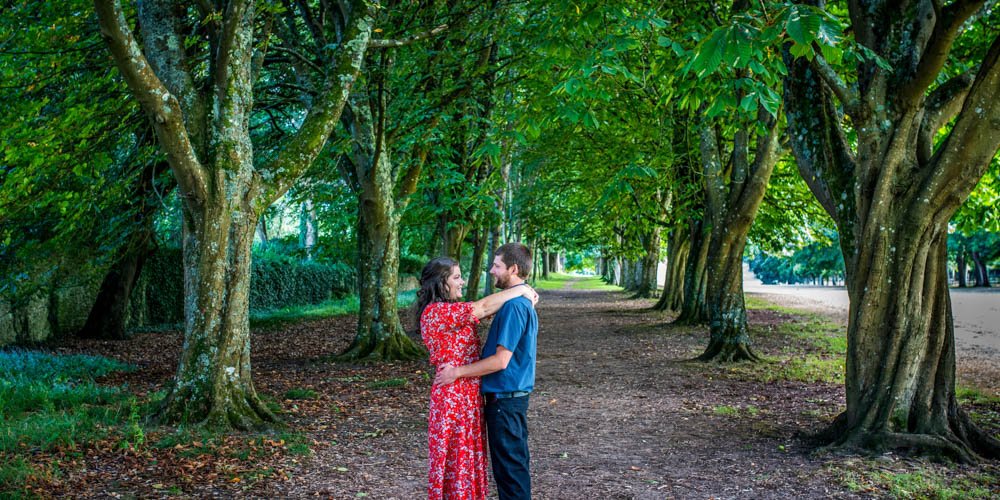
[(52, 402), (924, 482), (388, 383), (299, 393), (736, 411), (815, 352), (338, 307), (559, 281)]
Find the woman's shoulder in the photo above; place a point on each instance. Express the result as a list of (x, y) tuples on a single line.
[(445, 307)]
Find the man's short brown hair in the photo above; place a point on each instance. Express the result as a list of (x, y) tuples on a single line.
[(516, 253)]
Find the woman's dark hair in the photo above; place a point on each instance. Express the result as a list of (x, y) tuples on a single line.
[(434, 283)]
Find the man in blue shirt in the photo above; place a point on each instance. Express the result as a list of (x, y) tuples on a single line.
[(507, 368)]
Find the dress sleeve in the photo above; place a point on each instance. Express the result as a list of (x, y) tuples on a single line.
[(460, 315)]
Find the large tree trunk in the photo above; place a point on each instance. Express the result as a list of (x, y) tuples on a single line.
[(380, 335), (213, 383), (694, 308), (199, 98), (892, 190), (732, 202), (678, 248)]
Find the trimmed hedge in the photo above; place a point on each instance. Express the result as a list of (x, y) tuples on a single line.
[(159, 296)]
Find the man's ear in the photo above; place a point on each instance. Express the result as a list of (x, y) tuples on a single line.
[(514, 270)]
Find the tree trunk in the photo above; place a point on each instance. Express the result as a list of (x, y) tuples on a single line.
[(694, 308), (891, 189), (476, 269), (106, 319), (494, 244), (732, 200), (982, 275), (380, 335), (646, 282), (678, 248), (213, 383), (962, 270), (905, 399)]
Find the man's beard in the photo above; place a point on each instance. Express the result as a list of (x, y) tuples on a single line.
[(502, 283)]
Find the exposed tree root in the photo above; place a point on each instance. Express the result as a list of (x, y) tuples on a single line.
[(397, 347), (967, 444), (727, 352), (241, 410)]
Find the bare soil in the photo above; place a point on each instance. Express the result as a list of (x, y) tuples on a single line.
[(618, 412)]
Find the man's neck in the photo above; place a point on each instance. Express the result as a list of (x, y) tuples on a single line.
[(515, 281)]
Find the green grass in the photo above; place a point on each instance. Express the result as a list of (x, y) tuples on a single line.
[(52, 402), (328, 309), (925, 481), (816, 348), (735, 411), (299, 393), (559, 282)]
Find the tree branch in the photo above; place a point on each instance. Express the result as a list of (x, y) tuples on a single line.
[(385, 44), (941, 106), (159, 104), (967, 151), (301, 57), (935, 55), (847, 96)]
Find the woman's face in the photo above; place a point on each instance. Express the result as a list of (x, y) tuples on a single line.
[(455, 284)]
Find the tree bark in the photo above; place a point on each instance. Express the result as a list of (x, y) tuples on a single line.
[(476, 268), (204, 131), (678, 248), (694, 308), (891, 197)]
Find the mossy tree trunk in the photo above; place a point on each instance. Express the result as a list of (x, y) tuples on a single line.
[(201, 116), (476, 268), (891, 193), (383, 192), (733, 196)]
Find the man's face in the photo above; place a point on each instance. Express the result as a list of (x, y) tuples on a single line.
[(501, 273)]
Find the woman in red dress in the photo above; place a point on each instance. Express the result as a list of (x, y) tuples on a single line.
[(456, 437)]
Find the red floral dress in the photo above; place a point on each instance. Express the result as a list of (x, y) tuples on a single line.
[(456, 436)]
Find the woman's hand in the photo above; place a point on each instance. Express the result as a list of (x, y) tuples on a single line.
[(530, 294)]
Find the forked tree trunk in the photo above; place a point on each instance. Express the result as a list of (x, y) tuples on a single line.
[(892, 190), (907, 398), (694, 309), (733, 196), (678, 249), (213, 383), (199, 103)]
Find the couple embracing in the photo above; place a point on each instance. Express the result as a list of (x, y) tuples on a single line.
[(502, 376)]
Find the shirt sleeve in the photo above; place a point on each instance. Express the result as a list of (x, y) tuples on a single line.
[(511, 324)]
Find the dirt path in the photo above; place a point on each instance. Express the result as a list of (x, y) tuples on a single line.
[(617, 413)]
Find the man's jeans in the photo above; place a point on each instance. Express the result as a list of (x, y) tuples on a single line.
[(507, 429)]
